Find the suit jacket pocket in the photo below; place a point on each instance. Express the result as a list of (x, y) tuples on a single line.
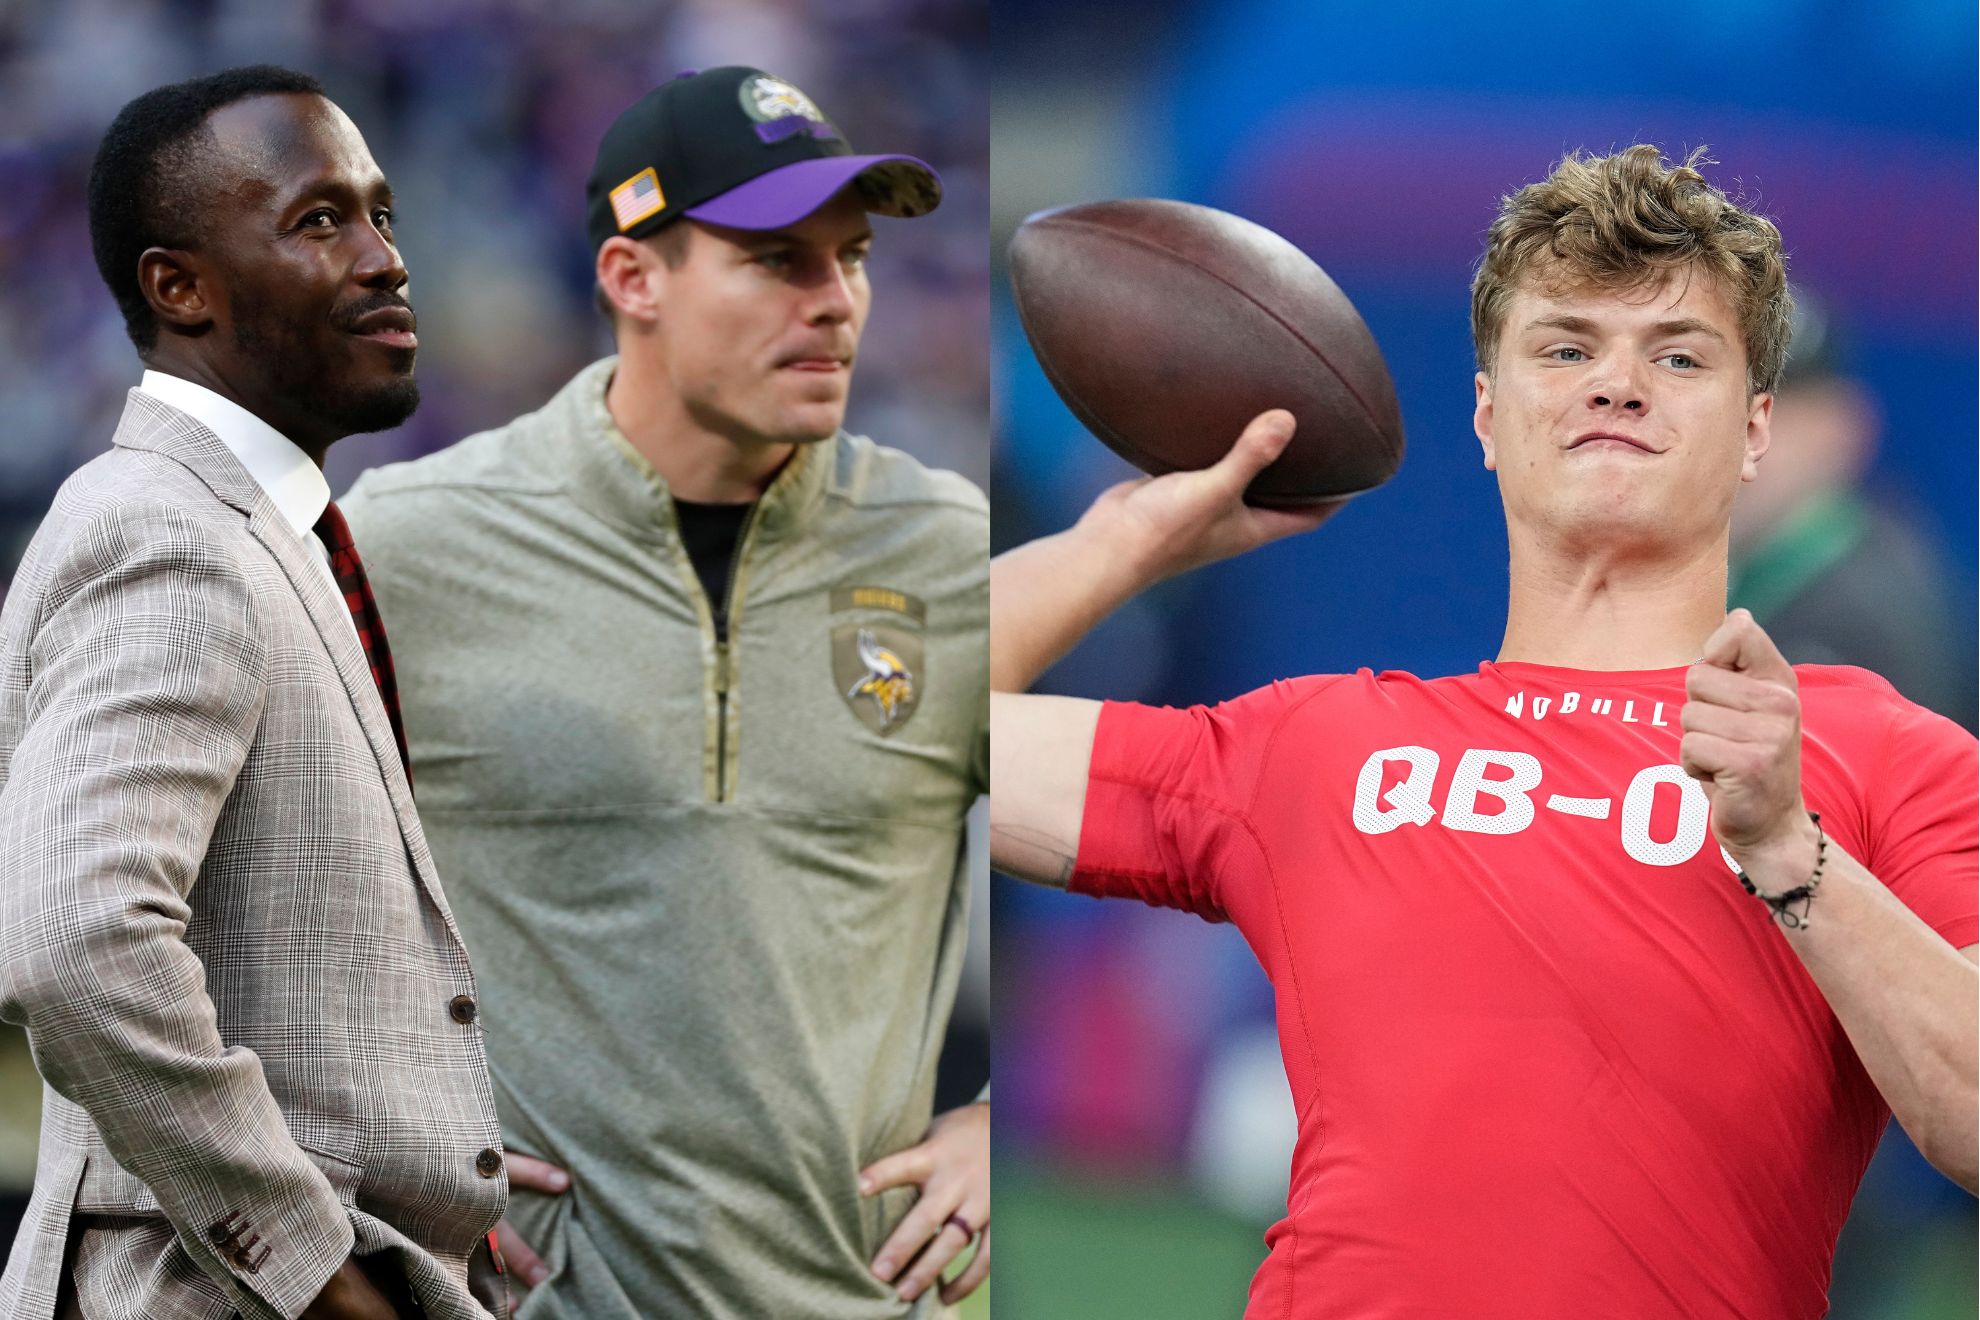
[(344, 1174), (108, 1188)]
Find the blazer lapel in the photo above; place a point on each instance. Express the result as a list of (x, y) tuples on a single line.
[(163, 429), (332, 618)]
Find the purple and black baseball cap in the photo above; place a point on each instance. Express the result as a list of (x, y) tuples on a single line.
[(737, 147)]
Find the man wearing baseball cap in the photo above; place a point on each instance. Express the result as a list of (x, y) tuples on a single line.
[(695, 686)]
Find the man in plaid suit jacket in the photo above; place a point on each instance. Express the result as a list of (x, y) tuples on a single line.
[(219, 920)]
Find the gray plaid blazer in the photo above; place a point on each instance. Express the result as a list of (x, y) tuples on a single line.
[(219, 921)]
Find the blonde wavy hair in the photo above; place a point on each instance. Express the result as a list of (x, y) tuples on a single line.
[(1627, 222)]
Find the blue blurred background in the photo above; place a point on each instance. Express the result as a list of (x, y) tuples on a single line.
[(486, 116), (1143, 1124)]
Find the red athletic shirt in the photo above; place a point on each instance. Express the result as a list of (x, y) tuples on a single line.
[(1550, 1061)]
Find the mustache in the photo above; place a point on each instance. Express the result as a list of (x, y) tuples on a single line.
[(345, 316)]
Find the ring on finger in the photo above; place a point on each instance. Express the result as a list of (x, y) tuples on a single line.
[(958, 1221)]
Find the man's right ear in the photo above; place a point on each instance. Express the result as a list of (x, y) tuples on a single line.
[(180, 296), (626, 273), (1481, 418)]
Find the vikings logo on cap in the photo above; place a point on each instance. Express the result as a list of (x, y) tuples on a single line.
[(766, 98), (781, 110)]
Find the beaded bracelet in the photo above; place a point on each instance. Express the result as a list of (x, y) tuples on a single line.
[(1782, 904)]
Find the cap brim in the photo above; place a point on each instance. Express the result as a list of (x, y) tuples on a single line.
[(889, 185)]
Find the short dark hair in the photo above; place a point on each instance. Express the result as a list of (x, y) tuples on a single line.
[(139, 187), (670, 241)]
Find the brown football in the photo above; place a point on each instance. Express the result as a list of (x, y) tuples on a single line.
[(1166, 327)]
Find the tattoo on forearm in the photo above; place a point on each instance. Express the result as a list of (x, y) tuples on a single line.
[(1040, 854)]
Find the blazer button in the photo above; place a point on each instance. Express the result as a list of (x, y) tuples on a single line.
[(462, 1009), (488, 1163)]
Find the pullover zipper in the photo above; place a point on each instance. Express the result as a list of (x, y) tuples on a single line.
[(724, 664)]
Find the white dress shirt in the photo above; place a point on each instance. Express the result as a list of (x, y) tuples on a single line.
[(291, 478)]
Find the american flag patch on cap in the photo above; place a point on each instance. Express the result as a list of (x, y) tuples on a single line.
[(637, 198)]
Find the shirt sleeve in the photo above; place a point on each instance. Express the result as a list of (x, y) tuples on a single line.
[(1924, 826), (1169, 795)]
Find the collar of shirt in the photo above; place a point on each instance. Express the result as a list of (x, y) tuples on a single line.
[(289, 476), (616, 481)]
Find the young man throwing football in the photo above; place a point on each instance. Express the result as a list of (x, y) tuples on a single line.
[(1550, 1057)]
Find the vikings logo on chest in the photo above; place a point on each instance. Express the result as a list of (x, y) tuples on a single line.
[(887, 680), (877, 654)]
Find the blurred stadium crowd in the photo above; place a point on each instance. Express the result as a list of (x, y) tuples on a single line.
[(485, 115)]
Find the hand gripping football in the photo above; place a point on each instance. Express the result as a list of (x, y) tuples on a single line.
[(1167, 327)]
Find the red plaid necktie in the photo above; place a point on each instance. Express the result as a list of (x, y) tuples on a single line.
[(349, 571)]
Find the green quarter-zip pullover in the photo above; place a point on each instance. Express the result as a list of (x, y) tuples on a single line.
[(713, 888)]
